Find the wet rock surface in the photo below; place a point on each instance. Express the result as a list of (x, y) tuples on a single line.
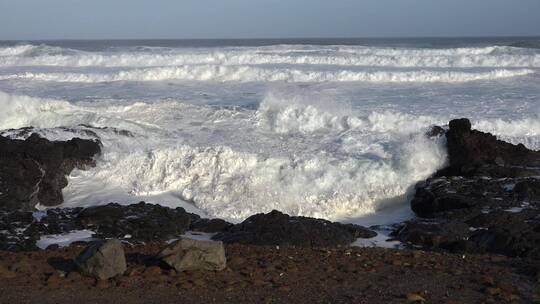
[(276, 228), (486, 200), (34, 170), (139, 223)]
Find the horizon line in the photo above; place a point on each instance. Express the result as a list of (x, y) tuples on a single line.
[(274, 38)]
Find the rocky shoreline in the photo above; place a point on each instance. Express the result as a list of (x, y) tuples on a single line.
[(486, 200), (483, 208)]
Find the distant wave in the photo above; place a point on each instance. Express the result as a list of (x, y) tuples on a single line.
[(256, 74), (493, 56)]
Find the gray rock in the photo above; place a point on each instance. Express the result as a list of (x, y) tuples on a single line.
[(188, 254), (102, 260)]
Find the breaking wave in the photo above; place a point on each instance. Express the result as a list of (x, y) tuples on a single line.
[(355, 164), (365, 172), (493, 57), (258, 74)]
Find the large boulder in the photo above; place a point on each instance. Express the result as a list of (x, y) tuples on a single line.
[(276, 228), (102, 260), (188, 254), (34, 170)]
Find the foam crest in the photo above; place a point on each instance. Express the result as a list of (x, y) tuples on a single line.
[(525, 131), (258, 74), (494, 57), (229, 184), (309, 113), (303, 113), (15, 50), (23, 111), (42, 113)]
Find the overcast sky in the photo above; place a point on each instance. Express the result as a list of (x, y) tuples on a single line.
[(94, 19)]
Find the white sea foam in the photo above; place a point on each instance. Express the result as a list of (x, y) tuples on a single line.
[(258, 74), (230, 182), (337, 164), (525, 131), (27, 55), (66, 239), (327, 131), (309, 113)]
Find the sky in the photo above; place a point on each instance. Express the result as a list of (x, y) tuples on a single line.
[(125, 19)]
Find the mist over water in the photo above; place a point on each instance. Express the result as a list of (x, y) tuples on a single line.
[(328, 128)]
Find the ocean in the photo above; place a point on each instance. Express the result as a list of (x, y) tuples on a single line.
[(327, 128)]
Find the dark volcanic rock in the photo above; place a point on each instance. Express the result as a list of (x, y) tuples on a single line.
[(457, 196), (13, 230), (483, 172), (276, 228), (490, 187), (510, 233), (34, 170), (528, 190), (141, 222), (435, 131), (210, 225), (433, 233), (471, 152)]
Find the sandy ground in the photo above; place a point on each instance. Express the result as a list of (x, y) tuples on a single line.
[(275, 275)]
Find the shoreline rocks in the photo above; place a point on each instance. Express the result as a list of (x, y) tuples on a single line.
[(486, 200), (276, 228), (34, 170), (142, 222), (137, 223)]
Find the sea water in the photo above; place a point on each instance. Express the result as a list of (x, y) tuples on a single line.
[(329, 128)]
